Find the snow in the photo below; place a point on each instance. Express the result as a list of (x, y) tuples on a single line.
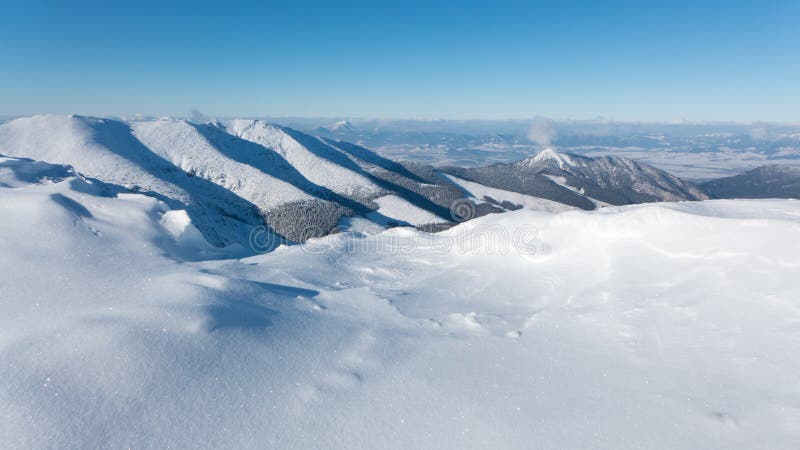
[(341, 125), (478, 192), (107, 150), (83, 143), (227, 183), (231, 164), (397, 209), (669, 325), (561, 181), (179, 225), (549, 154), (316, 160)]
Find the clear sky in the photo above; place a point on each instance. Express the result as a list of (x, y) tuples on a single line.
[(638, 60)]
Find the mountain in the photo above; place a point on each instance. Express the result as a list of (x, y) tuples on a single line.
[(341, 126), (772, 181), (231, 177), (582, 181)]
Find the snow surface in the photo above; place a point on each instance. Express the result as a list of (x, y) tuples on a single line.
[(550, 154), (398, 209), (561, 181), (316, 160), (649, 326), (234, 166), (478, 192)]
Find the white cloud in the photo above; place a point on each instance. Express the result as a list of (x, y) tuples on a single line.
[(542, 131)]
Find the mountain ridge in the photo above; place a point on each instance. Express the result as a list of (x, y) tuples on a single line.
[(582, 181), (229, 177), (769, 181), (234, 175)]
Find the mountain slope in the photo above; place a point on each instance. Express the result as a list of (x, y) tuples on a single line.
[(231, 177), (774, 181), (317, 161), (347, 169), (582, 181), (108, 151), (291, 204), (506, 199)]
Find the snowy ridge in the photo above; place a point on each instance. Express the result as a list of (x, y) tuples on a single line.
[(229, 177), (106, 150), (233, 176), (223, 162), (316, 160), (82, 142)]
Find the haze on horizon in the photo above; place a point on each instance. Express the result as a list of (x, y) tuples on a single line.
[(697, 61)]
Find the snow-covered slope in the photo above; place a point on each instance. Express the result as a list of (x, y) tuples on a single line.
[(646, 326), (252, 172), (507, 199), (398, 209), (316, 160), (229, 177), (87, 143), (108, 151)]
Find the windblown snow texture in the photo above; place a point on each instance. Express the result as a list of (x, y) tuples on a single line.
[(666, 325)]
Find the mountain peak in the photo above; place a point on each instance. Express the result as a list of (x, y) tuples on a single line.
[(342, 125), (548, 155)]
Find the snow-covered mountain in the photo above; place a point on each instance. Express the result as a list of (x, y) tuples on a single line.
[(670, 325), (342, 126), (581, 181), (233, 176), (772, 181), (109, 151)]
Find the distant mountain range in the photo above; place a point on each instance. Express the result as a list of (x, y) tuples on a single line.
[(231, 176), (773, 181), (698, 151)]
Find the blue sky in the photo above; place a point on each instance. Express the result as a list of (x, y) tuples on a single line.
[(640, 60)]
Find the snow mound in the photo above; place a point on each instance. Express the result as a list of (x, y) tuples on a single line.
[(179, 225)]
